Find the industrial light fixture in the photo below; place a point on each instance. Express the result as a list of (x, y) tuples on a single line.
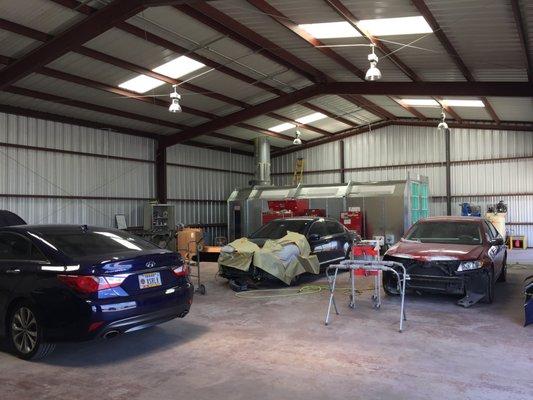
[(443, 125), (297, 141), (175, 97), (373, 73)]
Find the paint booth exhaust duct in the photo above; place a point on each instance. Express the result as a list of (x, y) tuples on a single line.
[(262, 162)]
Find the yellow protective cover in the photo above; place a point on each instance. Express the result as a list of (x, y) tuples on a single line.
[(267, 258)]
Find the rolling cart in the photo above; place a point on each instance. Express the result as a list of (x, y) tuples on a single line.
[(366, 266), (191, 256)]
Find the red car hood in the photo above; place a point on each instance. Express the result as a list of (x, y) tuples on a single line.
[(435, 251)]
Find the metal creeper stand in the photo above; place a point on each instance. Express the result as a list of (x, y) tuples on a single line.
[(352, 266)]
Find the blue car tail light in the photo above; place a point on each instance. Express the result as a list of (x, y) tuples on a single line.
[(87, 284)]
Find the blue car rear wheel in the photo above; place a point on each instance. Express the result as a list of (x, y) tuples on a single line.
[(26, 335)]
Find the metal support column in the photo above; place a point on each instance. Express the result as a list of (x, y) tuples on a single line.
[(448, 173), (342, 160), (161, 173)]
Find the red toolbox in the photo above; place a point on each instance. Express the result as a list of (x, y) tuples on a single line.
[(272, 215)]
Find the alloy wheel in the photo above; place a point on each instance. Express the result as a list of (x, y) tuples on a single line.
[(24, 330)]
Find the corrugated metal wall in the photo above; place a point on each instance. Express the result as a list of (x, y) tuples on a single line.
[(39, 185), (487, 166), (200, 194)]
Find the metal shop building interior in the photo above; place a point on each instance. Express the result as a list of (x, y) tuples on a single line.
[(266, 199)]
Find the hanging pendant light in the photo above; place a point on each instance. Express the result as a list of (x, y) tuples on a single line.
[(373, 73), (175, 97)]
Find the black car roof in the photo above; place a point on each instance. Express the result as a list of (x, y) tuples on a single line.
[(304, 218), (53, 228)]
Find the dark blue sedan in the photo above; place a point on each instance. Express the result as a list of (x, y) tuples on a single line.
[(71, 282)]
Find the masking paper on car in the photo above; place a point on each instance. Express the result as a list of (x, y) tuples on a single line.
[(241, 256), (283, 258)]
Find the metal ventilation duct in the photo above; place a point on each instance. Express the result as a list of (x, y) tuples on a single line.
[(262, 162)]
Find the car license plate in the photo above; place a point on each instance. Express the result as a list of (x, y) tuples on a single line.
[(149, 280)]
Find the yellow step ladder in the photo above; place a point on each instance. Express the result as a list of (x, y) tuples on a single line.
[(298, 171)]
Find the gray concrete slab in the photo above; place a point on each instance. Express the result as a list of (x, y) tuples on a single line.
[(279, 348)]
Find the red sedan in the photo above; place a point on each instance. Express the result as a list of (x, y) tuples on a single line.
[(457, 255)]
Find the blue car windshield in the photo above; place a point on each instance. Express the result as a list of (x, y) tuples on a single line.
[(277, 229), (446, 232), (82, 244)]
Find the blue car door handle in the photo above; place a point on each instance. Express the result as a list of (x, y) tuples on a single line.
[(13, 271)]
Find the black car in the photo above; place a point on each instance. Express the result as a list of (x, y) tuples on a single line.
[(71, 282), (329, 240)]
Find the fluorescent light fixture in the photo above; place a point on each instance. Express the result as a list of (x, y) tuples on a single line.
[(174, 69), (141, 84), (394, 26), (281, 127), (311, 118), (463, 103), (330, 30), (178, 67), (420, 102)]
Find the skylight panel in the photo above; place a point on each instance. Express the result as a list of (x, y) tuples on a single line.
[(179, 67), (330, 30), (395, 26), (174, 69), (420, 102), (463, 103), (282, 127), (141, 84), (311, 118)]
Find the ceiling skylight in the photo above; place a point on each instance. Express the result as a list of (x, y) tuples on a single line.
[(395, 26), (463, 103), (141, 84), (374, 27), (174, 69), (330, 30), (311, 118), (302, 120), (178, 67), (282, 127), (420, 102)]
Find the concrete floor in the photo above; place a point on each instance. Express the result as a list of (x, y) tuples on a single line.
[(233, 348)]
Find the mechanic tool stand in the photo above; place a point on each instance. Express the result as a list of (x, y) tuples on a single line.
[(368, 266)]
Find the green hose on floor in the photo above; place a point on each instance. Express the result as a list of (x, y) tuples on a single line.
[(290, 292)]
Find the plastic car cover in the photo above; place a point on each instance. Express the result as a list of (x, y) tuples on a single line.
[(528, 305), (283, 258)]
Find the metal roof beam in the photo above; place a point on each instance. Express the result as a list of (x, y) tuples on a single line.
[(74, 121), (71, 38), (247, 113), (222, 23), (282, 19), (504, 89), (450, 49), (522, 34)]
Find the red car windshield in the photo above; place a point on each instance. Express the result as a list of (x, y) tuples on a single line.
[(446, 232)]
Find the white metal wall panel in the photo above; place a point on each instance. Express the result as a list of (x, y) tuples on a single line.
[(471, 144), (515, 176), (40, 133), (321, 157), (190, 183), (394, 145), (183, 154), (29, 172)]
